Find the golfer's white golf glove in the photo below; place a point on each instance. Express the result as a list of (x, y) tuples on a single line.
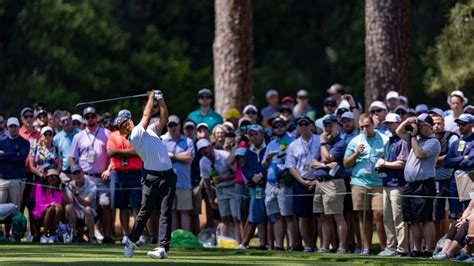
[(158, 95)]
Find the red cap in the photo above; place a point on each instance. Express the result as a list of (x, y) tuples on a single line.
[(287, 99)]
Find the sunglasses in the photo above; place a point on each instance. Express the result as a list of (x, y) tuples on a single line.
[(76, 123), (76, 173), (189, 128), (66, 120), (362, 126), (53, 176), (89, 117), (330, 105), (12, 126), (28, 116), (251, 113), (376, 111), (48, 134), (461, 124), (205, 97), (277, 126), (171, 125), (303, 124)]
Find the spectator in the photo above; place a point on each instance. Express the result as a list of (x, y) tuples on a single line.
[(300, 155), (181, 152), (391, 168), (49, 205), (3, 130), (77, 121), (469, 109), (229, 127), (273, 105), (251, 112), (218, 137), (255, 178), (13, 154), (125, 175), (303, 107), (421, 109), (378, 111), (417, 205), (392, 99), (63, 141), (461, 157), (107, 121), (456, 101), (189, 129), (232, 115), (328, 195), (288, 102), (278, 191), (287, 115), (349, 126), (330, 105), (404, 101), (41, 119), (44, 155), (230, 142), (336, 91), (214, 166), (89, 150), (362, 154), (443, 175), (57, 126), (205, 114), (80, 199), (203, 131), (402, 111)]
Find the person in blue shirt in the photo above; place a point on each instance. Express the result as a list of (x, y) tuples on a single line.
[(205, 113), (255, 177), (63, 140), (279, 192)]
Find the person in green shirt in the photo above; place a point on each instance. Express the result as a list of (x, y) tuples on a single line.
[(205, 113)]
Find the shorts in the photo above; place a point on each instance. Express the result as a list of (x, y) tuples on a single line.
[(127, 192), (197, 201), (226, 201), (364, 202), (183, 200), (80, 215), (103, 190), (302, 205), (418, 209), (257, 205), (11, 191), (439, 204), (326, 199), (279, 199)]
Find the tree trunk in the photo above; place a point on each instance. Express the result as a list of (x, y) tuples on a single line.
[(233, 48), (386, 48)]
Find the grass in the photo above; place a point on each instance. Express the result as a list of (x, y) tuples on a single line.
[(86, 254)]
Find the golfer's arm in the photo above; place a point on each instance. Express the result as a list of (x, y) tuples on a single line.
[(147, 112), (163, 116)]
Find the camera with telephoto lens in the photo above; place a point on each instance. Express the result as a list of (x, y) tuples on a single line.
[(409, 128)]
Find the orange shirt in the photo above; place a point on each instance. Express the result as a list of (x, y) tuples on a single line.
[(119, 142)]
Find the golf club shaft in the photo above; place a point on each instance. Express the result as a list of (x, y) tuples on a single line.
[(110, 100)]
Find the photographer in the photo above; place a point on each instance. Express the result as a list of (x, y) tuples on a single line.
[(420, 170)]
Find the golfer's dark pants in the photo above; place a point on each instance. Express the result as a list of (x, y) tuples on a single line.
[(158, 189)]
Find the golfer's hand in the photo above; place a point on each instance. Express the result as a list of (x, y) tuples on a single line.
[(150, 94)]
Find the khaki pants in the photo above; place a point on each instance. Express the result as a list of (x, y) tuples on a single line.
[(395, 228), (11, 191)]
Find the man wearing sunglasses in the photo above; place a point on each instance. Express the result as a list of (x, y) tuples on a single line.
[(378, 112), (3, 131), (205, 113), (329, 108), (63, 140)]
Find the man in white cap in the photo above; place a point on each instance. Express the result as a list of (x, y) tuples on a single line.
[(390, 168), (273, 105), (456, 101), (77, 121), (378, 111), (159, 180), (392, 100), (205, 113), (303, 107), (13, 153), (251, 112)]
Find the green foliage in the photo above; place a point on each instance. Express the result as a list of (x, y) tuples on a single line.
[(451, 59)]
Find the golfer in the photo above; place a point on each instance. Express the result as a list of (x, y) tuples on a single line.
[(158, 181)]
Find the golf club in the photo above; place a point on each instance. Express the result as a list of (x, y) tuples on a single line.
[(84, 104)]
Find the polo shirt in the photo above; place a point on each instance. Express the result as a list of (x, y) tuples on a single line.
[(86, 142), (460, 148), (363, 171), (336, 148), (395, 150), (150, 148), (418, 170), (211, 119), (88, 190), (300, 154), (278, 146), (182, 170), (63, 142), (118, 141)]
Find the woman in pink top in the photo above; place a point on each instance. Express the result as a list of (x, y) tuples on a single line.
[(48, 207)]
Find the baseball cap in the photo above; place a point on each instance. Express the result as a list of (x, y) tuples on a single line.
[(392, 118), (287, 99), (421, 108), (240, 152), (119, 120), (277, 121), (13, 121), (459, 94), (189, 123), (204, 91), (202, 143), (229, 124), (46, 129), (51, 172), (348, 115), (76, 168), (468, 107), (202, 125), (467, 118), (232, 113), (173, 119), (271, 93), (436, 111), (24, 110), (392, 95), (424, 119), (411, 111), (40, 112), (403, 99), (329, 100), (250, 107), (302, 93), (401, 107), (77, 117), (329, 119), (303, 118), (125, 112), (88, 110), (256, 128), (377, 104), (335, 88)]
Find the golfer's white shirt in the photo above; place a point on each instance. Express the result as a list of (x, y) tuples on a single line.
[(150, 148)]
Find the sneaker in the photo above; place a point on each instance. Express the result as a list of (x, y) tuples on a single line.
[(441, 256), (98, 235), (342, 251), (51, 240), (427, 254), (388, 252), (29, 238), (462, 257), (94, 240), (416, 254), (129, 249), (107, 240), (142, 240), (44, 240), (357, 251), (365, 252), (323, 250), (158, 253), (242, 247), (308, 250)]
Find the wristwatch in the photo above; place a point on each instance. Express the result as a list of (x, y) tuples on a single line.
[(323, 143)]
